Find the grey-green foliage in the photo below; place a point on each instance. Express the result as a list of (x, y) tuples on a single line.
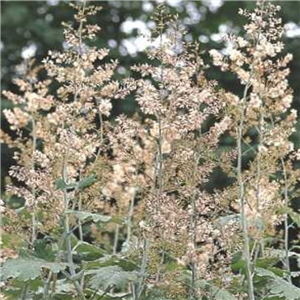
[(25, 269), (111, 276), (82, 184), (87, 216), (277, 286), (87, 251), (215, 292)]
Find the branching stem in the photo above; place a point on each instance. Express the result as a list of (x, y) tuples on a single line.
[(242, 197)]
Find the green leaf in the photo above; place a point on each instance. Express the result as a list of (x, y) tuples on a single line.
[(295, 216), (111, 276), (26, 269), (15, 289), (88, 251), (61, 185), (110, 260), (16, 202), (104, 295), (85, 216), (86, 182), (43, 249), (266, 262), (277, 286), (216, 293), (222, 221)]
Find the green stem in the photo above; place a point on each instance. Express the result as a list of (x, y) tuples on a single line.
[(143, 270), (24, 291), (129, 222), (286, 222), (67, 232), (80, 208), (242, 198), (116, 238), (33, 217), (47, 286)]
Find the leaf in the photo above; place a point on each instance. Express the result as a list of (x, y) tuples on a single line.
[(15, 289), (278, 286), (219, 294), (110, 260), (104, 295), (16, 201), (110, 276), (88, 251), (43, 249), (216, 293), (61, 185), (26, 269), (222, 221), (295, 216), (84, 216), (86, 182)]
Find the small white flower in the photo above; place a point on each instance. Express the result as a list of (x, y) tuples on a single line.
[(105, 107)]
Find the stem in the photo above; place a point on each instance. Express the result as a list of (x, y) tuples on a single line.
[(80, 30), (67, 232), (143, 269), (286, 222), (101, 130), (33, 217), (160, 157), (80, 208), (47, 286), (286, 217), (258, 177), (193, 267), (193, 226), (159, 173), (160, 134), (159, 267), (129, 222), (24, 291), (116, 239), (242, 198), (77, 284)]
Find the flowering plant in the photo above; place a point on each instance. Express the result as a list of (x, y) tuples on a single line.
[(120, 209)]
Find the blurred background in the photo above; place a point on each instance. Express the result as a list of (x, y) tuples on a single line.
[(31, 28)]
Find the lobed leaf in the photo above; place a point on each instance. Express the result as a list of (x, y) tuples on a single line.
[(86, 216), (277, 286), (26, 269), (110, 276)]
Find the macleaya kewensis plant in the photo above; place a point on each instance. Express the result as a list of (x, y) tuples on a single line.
[(119, 209), (262, 114)]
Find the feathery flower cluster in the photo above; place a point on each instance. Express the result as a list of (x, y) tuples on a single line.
[(150, 171)]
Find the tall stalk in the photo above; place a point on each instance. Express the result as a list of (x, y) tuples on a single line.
[(193, 267), (242, 197), (286, 216), (33, 217), (286, 221), (67, 236), (258, 180), (129, 222)]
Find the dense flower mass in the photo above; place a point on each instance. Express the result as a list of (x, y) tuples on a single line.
[(122, 208)]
